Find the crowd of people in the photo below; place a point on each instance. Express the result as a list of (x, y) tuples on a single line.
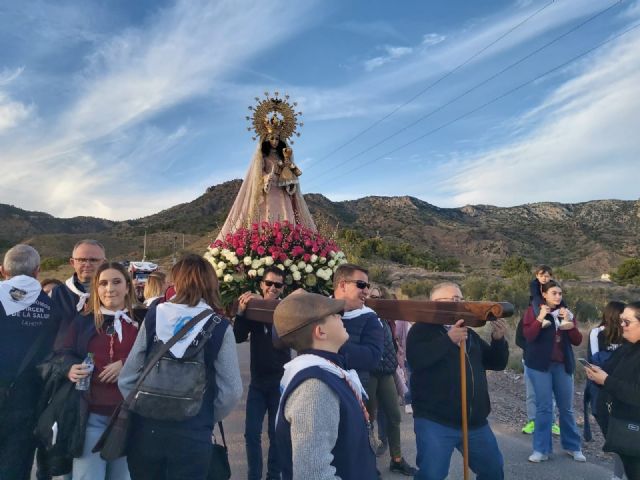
[(74, 353)]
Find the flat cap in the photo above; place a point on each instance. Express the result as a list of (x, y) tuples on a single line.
[(302, 308)]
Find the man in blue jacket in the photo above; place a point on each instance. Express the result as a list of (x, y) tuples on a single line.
[(28, 323)]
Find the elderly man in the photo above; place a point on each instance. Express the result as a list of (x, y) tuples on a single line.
[(28, 323), (71, 297), (433, 352), (267, 367)]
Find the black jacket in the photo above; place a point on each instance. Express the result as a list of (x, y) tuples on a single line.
[(622, 386), (435, 374)]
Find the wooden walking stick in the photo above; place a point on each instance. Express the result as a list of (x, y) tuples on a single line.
[(463, 394)]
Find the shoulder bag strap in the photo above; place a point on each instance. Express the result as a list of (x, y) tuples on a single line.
[(224, 440), (164, 349)]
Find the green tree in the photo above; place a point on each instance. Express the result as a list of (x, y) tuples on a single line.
[(514, 265), (628, 272)]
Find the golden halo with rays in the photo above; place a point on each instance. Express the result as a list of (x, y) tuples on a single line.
[(274, 112)]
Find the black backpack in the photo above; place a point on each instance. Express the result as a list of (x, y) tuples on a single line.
[(174, 388)]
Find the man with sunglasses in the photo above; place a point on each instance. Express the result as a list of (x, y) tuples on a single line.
[(72, 297), (267, 368)]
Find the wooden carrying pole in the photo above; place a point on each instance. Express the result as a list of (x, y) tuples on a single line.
[(463, 397)]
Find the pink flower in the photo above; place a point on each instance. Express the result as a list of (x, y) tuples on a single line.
[(260, 250), (240, 251), (306, 257)]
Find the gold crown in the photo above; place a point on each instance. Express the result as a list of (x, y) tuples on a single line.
[(274, 115)]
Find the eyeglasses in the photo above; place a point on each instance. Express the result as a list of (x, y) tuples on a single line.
[(88, 260), (270, 283), (361, 284), (455, 298), (626, 322)]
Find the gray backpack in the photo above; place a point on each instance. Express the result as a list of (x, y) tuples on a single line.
[(174, 388)]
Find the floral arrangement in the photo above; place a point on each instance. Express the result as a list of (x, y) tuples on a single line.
[(307, 259)]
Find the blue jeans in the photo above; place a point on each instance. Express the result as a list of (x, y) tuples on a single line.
[(435, 443), (90, 466), (261, 399), (531, 398), (554, 382)]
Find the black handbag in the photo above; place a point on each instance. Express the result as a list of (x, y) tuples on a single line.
[(113, 442), (623, 437), (219, 468)]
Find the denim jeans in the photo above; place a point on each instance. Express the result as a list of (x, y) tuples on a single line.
[(531, 398), (261, 399), (90, 466), (435, 443), (554, 382), (163, 456)]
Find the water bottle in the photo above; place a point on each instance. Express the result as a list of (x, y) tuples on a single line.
[(83, 383)]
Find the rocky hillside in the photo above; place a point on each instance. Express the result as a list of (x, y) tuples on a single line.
[(587, 238)]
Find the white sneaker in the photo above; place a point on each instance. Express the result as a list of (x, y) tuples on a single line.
[(537, 457), (408, 408), (578, 456)]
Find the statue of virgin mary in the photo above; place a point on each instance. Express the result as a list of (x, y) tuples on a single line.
[(271, 189)]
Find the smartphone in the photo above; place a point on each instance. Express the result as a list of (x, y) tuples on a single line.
[(585, 363)]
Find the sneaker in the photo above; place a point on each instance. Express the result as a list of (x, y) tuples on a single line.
[(402, 467), (408, 409), (537, 457), (578, 456), (381, 449), (555, 429), (529, 427)]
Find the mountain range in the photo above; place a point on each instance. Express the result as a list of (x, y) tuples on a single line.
[(588, 238)]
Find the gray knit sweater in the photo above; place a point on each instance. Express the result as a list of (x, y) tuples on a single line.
[(228, 380), (313, 410)]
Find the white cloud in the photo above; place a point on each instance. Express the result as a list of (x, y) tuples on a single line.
[(431, 39), (12, 112), (391, 53), (582, 145)]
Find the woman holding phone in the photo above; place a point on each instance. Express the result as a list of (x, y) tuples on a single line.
[(620, 381), (550, 366)]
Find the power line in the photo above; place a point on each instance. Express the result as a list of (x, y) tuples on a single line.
[(470, 90), (431, 85), (495, 99)]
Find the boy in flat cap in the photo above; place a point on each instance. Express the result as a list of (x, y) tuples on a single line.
[(322, 428)]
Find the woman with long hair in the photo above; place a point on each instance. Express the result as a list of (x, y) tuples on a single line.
[(620, 393), (177, 449), (550, 366), (603, 341), (107, 331), (154, 287)]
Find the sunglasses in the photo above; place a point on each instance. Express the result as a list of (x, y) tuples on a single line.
[(270, 283), (361, 284)]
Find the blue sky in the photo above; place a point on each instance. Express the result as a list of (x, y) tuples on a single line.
[(120, 109)]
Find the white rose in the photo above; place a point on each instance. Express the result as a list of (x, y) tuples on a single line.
[(268, 261), (331, 263), (222, 265), (224, 252), (247, 261), (256, 264), (219, 272), (215, 251), (260, 271), (288, 262), (296, 276), (308, 269), (252, 273), (234, 260), (293, 268), (323, 259), (314, 258), (280, 266), (301, 265), (228, 278)]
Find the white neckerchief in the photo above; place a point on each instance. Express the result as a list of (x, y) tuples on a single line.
[(118, 316), (148, 301), (83, 295), (19, 292), (171, 317), (307, 360), (356, 313)]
